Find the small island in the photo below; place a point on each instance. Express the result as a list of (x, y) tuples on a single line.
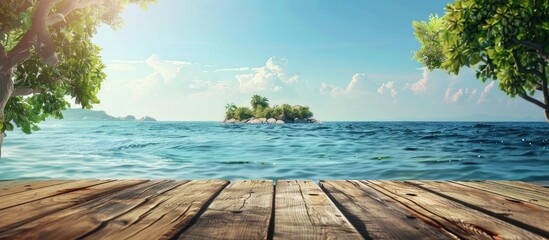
[(76, 114), (261, 112)]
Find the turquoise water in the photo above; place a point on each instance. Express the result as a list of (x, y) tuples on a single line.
[(332, 150)]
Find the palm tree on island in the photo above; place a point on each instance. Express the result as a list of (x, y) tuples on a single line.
[(261, 112)]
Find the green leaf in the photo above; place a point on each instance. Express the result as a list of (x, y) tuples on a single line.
[(78, 74), (474, 59), (475, 29), (491, 53)]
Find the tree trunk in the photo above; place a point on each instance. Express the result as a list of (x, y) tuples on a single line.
[(6, 88)]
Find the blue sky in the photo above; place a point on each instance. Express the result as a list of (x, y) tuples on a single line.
[(348, 60)]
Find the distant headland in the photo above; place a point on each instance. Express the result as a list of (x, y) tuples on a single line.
[(261, 112), (76, 114)]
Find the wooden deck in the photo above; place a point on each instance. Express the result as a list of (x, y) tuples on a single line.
[(256, 209)]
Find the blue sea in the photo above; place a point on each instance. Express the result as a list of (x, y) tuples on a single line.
[(330, 150)]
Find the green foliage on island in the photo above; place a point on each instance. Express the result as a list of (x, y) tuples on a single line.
[(47, 53), (501, 40), (261, 109)]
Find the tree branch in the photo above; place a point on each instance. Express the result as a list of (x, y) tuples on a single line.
[(38, 35), (24, 91), (545, 90), (39, 31), (535, 46), (44, 45), (20, 51), (533, 100), (3, 54), (70, 6), (26, 4), (520, 68)]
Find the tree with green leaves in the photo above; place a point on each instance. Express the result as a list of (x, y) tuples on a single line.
[(502, 40), (259, 102), (230, 110), (302, 112), (243, 113), (46, 53), (261, 109)]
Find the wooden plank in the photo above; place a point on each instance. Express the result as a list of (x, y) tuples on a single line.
[(463, 221), (84, 219), (11, 187), (511, 192), (528, 216), (163, 216), (303, 211), (18, 215), (241, 211), (41, 193), (525, 185), (377, 216)]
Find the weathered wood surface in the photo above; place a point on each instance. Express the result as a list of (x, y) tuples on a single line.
[(302, 211), (511, 192), (21, 214), (40, 193), (241, 211), (454, 217), (524, 214), (255, 209), (11, 187), (376, 215), (163, 216), (128, 211)]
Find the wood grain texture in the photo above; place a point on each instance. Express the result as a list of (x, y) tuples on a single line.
[(377, 216), (11, 187), (303, 211), (209, 209), (164, 216), (84, 219), (40, 193), (457, 218), (522, 214), (525, 185), (18, 215), (511, 192), (241, 211)]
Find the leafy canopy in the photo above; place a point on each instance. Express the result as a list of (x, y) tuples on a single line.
[(259, 102), (261, 109), (503, 40), (40, 88)]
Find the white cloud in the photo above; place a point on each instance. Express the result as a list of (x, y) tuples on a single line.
[(453, 97), (474, 92), (179, 63), (127, 61), (292, 80), (357, 85), (269, 78), (420, 86), (152, 86), (485, 92), (120, 67), (472, 95), (238, 69), (389, 86), (167, 69), (331, 90)]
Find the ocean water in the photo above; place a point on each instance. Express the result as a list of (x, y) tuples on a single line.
[(331, 150)]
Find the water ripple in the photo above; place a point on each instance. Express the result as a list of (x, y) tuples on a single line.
[(333, 150)]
